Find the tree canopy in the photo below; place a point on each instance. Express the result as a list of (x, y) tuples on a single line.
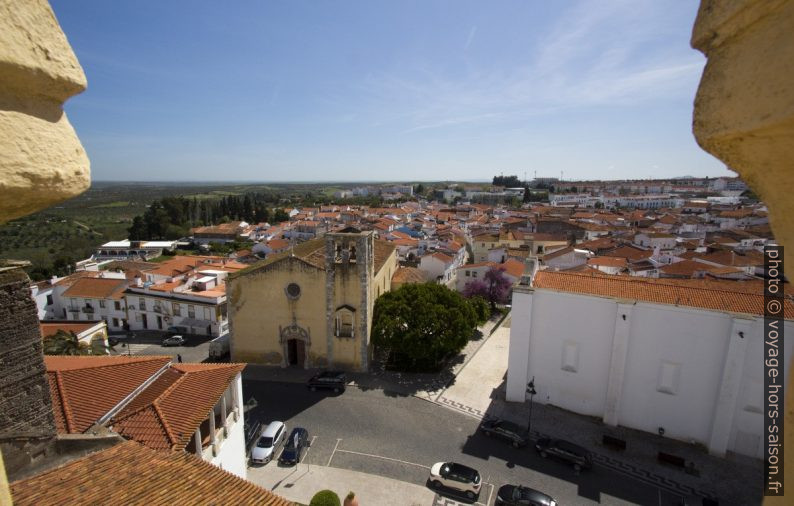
[(67, 343), (494, 287), (420, 325)]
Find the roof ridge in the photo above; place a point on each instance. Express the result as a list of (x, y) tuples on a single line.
[(127, 360), (67, 411), (168, 432), (654, 282)]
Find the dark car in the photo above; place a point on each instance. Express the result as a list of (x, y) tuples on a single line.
[(565, 450), (176, 329), (297, 441), (330, 380), (516, 495), (505, 430)]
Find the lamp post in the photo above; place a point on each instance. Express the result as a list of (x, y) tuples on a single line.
[(531, 391)]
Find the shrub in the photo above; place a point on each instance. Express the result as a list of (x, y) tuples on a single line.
[(325, 498)]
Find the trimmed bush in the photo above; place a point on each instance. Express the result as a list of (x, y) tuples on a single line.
[(325, 498)]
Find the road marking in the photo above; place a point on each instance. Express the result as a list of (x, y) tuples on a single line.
[(384, 458), (307, 451), (332, 453), (490, 491)]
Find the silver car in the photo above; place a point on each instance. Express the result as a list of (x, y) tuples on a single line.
[(272, 436)]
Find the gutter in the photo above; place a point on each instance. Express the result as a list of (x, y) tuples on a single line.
[(132, 395)]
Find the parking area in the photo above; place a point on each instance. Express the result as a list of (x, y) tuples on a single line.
[(375, 435), (149, 342)]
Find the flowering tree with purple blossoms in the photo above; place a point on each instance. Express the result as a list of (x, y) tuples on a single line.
[(494, 287)]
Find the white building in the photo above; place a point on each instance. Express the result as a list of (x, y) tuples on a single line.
[(126, 249), (646, 354), (201, 308), (438, 267)]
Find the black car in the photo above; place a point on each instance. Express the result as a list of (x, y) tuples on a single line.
[(516, 495), (503, 429), (297, 441), (330, 380), (565, 450)]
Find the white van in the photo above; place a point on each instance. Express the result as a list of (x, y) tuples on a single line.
[(271, 437)]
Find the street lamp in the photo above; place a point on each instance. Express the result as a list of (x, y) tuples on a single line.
[(531, 391)]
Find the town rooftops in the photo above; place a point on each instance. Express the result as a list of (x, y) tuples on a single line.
[(313, 253), (131, 474), (714, 297)]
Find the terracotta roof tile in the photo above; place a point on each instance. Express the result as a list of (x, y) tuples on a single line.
[(661, 291), (95, 288), (131, 474), (50, 329), (83, 389), (167, 413), (408, 275)]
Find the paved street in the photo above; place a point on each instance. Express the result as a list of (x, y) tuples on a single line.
[(400, 437), (149, 343)]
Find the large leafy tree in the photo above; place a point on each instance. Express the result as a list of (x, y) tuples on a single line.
[(420, 325)]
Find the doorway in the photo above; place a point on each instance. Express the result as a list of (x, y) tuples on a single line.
[(296, 352)]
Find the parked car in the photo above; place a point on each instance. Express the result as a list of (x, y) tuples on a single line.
[(503, 429), (516, 495), (565, 450), (330, 380), (297, 441), (457, 477), (174, 341), (271, 437)]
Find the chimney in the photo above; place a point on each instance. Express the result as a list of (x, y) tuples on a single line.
[(138, 282)]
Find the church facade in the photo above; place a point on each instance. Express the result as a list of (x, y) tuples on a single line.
[(311, 306)]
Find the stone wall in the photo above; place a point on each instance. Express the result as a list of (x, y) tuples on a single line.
[(27, 424), (42, 161)]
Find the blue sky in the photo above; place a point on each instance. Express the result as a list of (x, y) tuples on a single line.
[(373, 90)]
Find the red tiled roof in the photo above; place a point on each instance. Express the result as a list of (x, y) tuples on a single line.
[(408, 275), (83, 389), (131, 474), (513, 267), (607, 261), (166, 414), (50, 329), (95, 288), (692, 294)]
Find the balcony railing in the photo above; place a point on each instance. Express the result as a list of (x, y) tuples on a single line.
[(88, 309)]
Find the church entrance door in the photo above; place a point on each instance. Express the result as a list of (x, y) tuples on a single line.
[(296, 352)]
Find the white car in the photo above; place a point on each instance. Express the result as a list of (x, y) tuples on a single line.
[(457, 477), (272, 436)]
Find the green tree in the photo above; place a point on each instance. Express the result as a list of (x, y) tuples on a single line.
[(481, 309), (420, 325), (325, 498), (66, 343)]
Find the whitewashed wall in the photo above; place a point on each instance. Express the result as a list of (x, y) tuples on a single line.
[(684, 369), (232, 455)]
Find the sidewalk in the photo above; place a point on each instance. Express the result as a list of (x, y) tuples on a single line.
[(301, 482)]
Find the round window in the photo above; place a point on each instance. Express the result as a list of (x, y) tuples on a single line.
[(293, 290)]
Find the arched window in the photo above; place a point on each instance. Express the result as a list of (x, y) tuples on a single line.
[(343, 322)]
